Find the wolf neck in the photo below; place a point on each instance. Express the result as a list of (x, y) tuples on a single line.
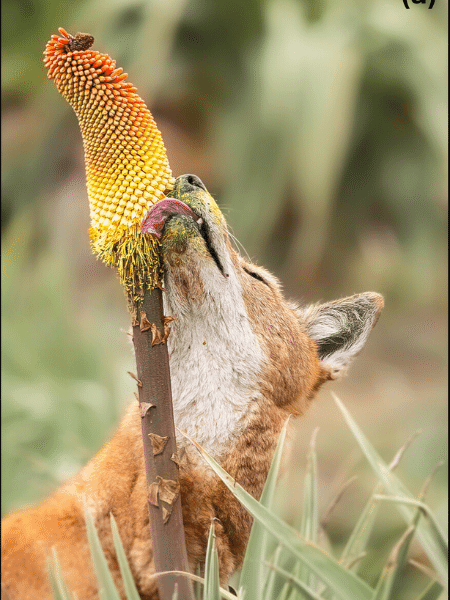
[(215, 360)]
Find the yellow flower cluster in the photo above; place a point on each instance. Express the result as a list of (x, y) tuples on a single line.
[(126, 164)]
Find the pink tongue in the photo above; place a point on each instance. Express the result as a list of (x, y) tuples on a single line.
[(157, 216)]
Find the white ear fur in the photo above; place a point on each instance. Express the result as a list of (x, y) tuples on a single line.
[(341, 328)]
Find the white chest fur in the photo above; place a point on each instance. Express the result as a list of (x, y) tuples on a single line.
[(215, 360)]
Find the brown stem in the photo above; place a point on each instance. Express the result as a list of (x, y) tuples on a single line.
[(155, 399)]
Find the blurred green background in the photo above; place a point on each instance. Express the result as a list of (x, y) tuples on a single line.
[(321, 128)]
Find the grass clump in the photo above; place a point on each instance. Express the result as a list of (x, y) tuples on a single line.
[(282, 563)]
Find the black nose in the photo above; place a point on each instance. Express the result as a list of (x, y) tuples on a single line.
[(188, 183)]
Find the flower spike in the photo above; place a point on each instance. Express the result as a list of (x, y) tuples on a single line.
[(127, 169)]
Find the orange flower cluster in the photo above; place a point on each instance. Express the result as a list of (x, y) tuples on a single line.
[(126, 163)]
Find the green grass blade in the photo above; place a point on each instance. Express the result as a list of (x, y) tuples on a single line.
[(127, 577), (58, 584), (54, 582), (107, 589), (297, 583), (211, 591), (270, 585), (253, 570), (389, 582), (305, 576), (426, 533), (198, 586), (432, 591), (310, 515), (285, 592), (434, 525), (346, 586), (201, 583), (175, 593), (358, 539)]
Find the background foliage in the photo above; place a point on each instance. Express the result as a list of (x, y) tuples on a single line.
[(320, 127)]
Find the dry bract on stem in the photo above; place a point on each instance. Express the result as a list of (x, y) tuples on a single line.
[(145, 407), (156, 335), (162, 489), (145, 323), (158, 443), (135, 378)]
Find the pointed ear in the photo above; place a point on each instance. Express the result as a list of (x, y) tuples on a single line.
[(341, 328)]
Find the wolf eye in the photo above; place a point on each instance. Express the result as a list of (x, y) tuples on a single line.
[(255, 276)]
